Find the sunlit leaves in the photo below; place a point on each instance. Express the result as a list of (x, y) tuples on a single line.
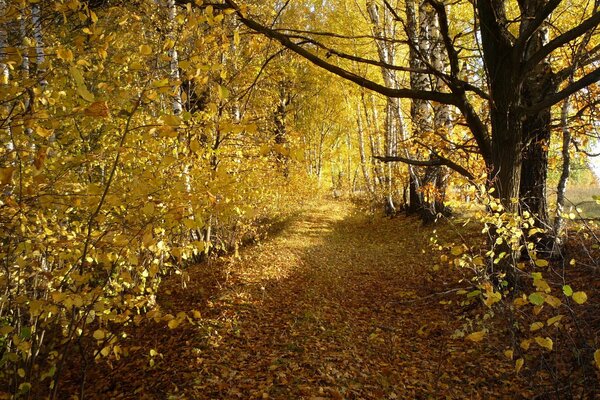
[(145, 50), (519, 365), (476, 336), (579, 297), (81, 88), (536, 299), (567, 290), (536, 326), (545, 342)]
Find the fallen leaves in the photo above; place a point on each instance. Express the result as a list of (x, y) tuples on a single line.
[(476, 336)]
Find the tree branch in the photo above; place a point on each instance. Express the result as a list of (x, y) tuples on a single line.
[(549, 101), (445, 31), (440, 97), (534, 25), (561, 40), (439, 161)]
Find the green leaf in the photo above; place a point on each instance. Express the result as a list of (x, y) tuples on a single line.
[(567, 290), (541, 263), (536, 299)]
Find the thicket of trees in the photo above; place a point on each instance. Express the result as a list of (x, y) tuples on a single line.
[(137, 136)]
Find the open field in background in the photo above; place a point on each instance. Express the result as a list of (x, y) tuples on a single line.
[(581, 198)]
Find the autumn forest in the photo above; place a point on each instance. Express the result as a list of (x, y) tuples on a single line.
[(299, 199)]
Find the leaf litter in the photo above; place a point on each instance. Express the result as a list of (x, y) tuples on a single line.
[(338, 305)]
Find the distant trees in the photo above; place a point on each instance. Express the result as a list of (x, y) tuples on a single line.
[(512, 61)]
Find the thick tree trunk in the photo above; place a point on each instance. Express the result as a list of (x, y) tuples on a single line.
[(536, 127), (418, 26)]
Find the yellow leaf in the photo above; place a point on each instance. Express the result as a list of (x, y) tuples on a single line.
[(525, 344), (579, 297), (476, 336), (43, 132), (520, 301), (99, 334), (554, 320), (97, 109), (457, 250), (145, 50), (195, 146), (5, 330), (553, 301), (597, 358), (509, 354), (64, 54), (536, 326), (544, 342), (519, 364), (77, 75), (223, 92), (171, 120), (6, 175), (168, 45), (85, 94), (173, 324), (541, 285)]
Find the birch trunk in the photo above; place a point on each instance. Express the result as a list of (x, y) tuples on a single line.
[(559, 221), (361, 150), (382, 24)]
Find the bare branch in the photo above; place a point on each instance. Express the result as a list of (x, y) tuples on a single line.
[(440, 97), (439, 161), (561, 40), (534, 25), (549, 101)]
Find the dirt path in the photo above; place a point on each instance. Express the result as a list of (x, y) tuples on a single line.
[(336, 306)]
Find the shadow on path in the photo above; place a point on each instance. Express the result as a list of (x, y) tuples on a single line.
[(336, 306)]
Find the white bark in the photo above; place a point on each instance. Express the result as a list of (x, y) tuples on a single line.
[(559, 221), (38, 37), (177, 104), (4, 72), (361, 150)]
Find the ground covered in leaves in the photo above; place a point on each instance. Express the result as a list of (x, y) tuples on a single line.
[(336, 306)]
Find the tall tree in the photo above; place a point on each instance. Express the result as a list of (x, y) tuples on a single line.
[(508, 63)]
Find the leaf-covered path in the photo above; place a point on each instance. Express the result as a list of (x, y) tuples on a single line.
[(335, 306)]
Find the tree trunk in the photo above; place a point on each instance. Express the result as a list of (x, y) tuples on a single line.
[(361, 150), (559, 221), (280, 128), (418, 31), (536, 127), (382, 26)]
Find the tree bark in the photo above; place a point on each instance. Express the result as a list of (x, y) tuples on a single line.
[(538, 84)]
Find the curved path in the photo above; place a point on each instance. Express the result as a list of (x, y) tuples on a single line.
[(335, 306)]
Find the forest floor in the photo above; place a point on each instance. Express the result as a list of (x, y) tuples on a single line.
[(337, 305)]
